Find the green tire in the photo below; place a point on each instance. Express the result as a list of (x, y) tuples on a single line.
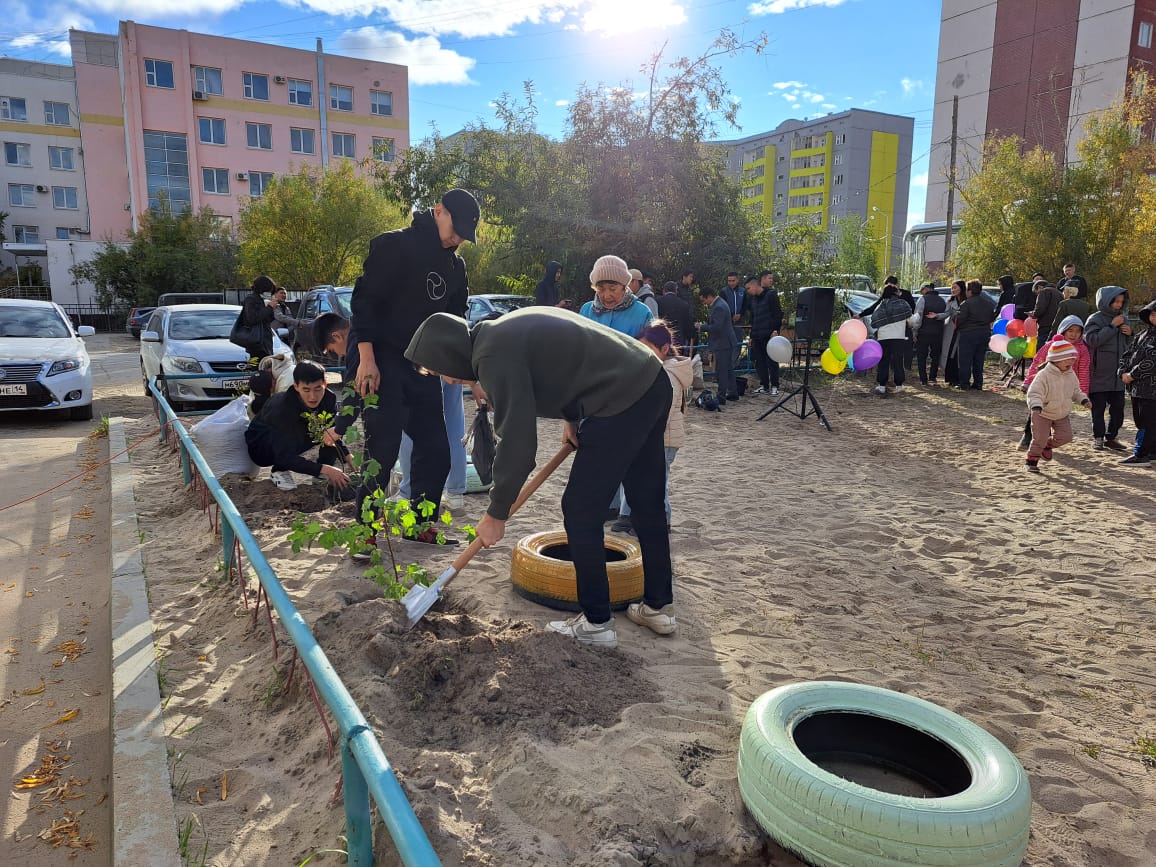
[(977, 808)]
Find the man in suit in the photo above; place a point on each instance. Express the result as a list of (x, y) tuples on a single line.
[(722, 343), (734, 295)]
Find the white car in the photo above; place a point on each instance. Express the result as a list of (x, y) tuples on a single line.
[(194, 338), (43, 361)]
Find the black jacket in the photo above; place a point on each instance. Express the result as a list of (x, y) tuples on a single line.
[(677, 314), (547, 293), (976, 313), (281, 430), (407, 276), (766, 313), (254, 311)]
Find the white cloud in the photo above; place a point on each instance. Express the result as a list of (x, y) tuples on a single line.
[(796, 107), (152, 10), (562, 103), (910, 85), (613, 17), (831, 105), (919, 180), (783, 85), (428, 62), (813, 97), (777, 7), (45, 27)]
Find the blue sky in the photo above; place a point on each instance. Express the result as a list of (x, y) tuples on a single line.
[(821, 56)]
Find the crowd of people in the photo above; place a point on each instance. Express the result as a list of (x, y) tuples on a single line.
[(616, 372)]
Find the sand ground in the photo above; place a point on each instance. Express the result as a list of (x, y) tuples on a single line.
[(907, 549)]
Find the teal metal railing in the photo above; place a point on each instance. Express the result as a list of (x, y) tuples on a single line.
[(366, 772)]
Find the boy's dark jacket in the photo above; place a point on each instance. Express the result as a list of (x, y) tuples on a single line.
[(407, 276), (1140, 359), (1105, 341), (766, 313), (282, 425)]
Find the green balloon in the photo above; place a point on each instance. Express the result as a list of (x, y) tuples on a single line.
[(836, 350), (1016, 347)]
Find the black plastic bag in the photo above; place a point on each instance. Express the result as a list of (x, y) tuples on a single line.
[(483, 445)]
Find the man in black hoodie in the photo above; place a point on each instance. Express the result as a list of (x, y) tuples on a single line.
[(548, 293), (409, 275)]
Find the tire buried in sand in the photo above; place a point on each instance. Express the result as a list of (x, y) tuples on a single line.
[(542, 572), (847, 775)]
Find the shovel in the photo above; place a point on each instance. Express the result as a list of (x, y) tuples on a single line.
[(418, 599)]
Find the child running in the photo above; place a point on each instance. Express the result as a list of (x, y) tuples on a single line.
[(1050, 399), (1072, 330)]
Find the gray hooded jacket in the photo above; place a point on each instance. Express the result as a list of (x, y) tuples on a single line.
[(1105, 341)]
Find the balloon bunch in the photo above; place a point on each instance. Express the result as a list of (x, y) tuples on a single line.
[(849, 348), (1013, 338)]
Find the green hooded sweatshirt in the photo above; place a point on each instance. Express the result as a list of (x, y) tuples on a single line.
[(537, 362)]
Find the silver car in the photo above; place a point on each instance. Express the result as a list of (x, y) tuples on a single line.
[(194, 338), (43, 361)]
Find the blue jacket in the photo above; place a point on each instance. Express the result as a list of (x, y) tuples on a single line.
[(630, 321)]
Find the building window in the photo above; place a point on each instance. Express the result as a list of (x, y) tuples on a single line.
[(211, 130), (167, 169), (301, 140), (17, 153), (64, 198), (343, 144), (753, 192), (60, 158), (215, 181), (26, 234), (56, 113), (814, 200), (159, 73), (802, 181), (300, 92), (812, 162), (22, 195), (62, 234), (383, 149), (838, 200), (13, 108), (841, 138), (838, 179), (340, 97), (256, 86), (381, 102), (259, 136), (1145, 39), (837, 160), (259, 182), (208, 80)]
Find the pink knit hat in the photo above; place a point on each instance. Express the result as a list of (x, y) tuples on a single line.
[(1061, 349), (610, 268)]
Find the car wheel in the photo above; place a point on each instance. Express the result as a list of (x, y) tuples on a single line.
[(81, 413), (541, 571), (847, 774)]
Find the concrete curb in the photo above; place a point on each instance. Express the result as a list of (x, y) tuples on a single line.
[(144, 822)]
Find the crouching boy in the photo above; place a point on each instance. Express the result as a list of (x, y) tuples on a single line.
[(279, 436), (1050, 399)]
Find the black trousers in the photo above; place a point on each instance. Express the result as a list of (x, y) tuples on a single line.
[(624, 449), (972, 351), (766, 367), (724, 370), (892, 361), (267, 449), (1113, 402), (411, 402), (928, 346), (1144, 415)]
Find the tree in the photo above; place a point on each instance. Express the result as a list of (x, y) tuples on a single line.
[(1028, 212), (313, 227)]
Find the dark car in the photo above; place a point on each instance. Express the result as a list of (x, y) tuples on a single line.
[(491, 306), (318, 300), (136, 319)]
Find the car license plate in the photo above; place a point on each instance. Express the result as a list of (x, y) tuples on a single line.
[(234, 383), (14, 390)]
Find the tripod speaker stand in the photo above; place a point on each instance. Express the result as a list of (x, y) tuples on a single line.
[(808, 405)]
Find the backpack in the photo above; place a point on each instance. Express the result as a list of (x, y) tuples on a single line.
[(707, 400)]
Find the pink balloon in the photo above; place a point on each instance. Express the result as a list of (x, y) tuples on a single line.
[(1015, 328), (998, 343), (867, 355), (851, 335), (1008, 311), (1031, 327)]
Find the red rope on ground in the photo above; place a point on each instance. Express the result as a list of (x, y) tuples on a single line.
[(84, 473)]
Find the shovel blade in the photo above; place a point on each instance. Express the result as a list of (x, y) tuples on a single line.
[(418, 599)]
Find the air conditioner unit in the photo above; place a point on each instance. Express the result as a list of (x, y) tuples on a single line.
[(278, 79), (242, 176), (40, 188), (200, 95)]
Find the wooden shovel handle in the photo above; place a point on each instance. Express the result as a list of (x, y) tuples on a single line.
[(527, 490)]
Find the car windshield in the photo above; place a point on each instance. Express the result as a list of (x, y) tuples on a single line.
[(201, 324), (344, 296), (32, 322), (858, 303), (508, 305)]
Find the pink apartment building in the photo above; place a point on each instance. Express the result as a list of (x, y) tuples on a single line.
[(209, 121)]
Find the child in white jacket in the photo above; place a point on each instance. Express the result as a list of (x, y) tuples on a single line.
[(1050, 399)]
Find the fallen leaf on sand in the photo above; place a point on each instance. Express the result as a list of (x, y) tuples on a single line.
[(67, 716), (200, 792), (11, 586), (71, 649), (86, 512), (36, 690), (66, 832), (224, 786)]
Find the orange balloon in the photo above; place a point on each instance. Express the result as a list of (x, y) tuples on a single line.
[(1015, 328)]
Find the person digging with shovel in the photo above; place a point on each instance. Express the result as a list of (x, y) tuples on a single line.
[(614, 397)]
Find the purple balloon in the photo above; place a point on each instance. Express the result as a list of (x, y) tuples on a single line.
[(867, 355), (1008, 311)]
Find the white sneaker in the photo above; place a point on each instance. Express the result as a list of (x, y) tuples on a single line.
[(600, 635), (774, 391), (899, 389), (881, 389), (284, 480), (660, 621), (454, 502)]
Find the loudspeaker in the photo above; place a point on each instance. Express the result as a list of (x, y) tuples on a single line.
[(813, 312)]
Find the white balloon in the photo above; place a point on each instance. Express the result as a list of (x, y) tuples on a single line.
[(779, 349)]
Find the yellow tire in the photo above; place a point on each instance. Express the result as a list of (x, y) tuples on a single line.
[(550, 581)]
